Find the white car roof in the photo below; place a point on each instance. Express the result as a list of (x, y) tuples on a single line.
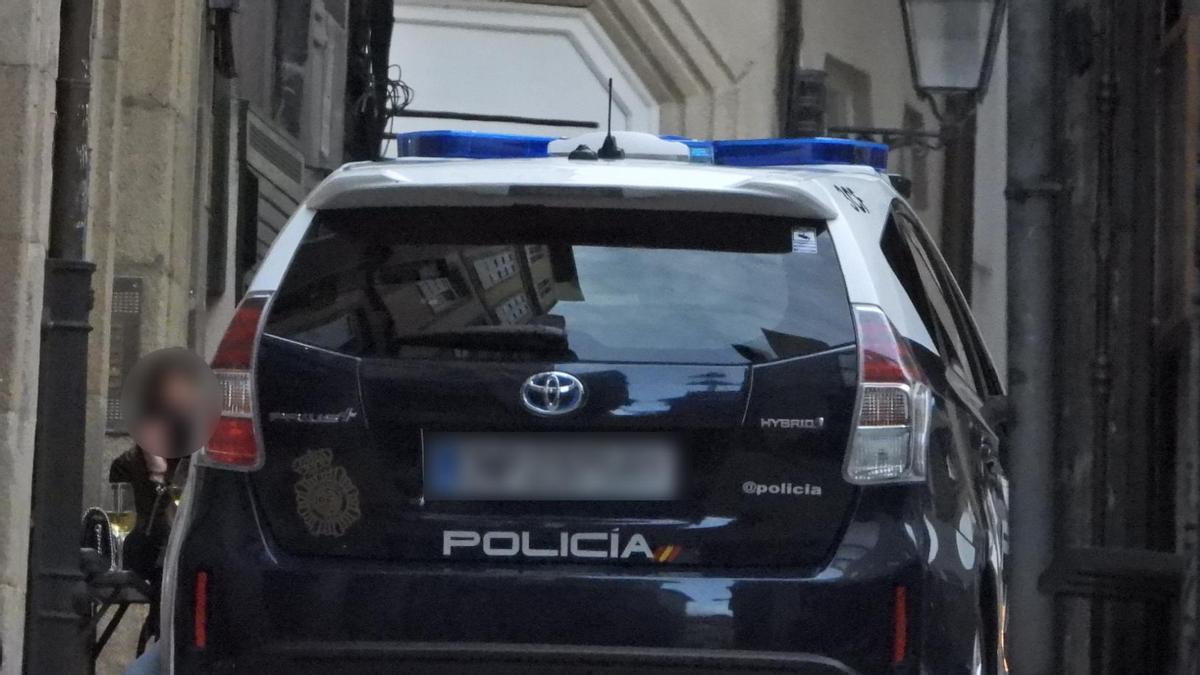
[(654, 183)]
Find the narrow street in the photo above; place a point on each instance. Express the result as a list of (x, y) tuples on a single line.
[(600, 336)]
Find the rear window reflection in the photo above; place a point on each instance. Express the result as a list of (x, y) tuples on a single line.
[(564, 285)]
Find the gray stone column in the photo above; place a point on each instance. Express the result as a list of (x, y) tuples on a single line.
[(105, 136), (28, 66)]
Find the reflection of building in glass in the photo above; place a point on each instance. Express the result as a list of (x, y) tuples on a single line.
[(466, 286), (513, 281), (494, 269), (542, 274), (438, 293), (357, 299), (513, 310), (426, 289), (534, 252)]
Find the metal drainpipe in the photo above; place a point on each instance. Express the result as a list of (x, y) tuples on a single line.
[(1102, 377), (1032, 197), (958, 192), (54, 639), (787, 62), (380, 43)]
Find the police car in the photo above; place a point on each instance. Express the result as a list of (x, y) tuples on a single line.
[(603, 404)]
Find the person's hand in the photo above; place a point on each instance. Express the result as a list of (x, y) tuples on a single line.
[(154, 438), (156, 466)]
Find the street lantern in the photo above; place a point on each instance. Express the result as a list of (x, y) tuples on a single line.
[(952, 44)]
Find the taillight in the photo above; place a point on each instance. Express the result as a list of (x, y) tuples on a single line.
[(889, 441), (899, 625), (200, 612), (233, 444)]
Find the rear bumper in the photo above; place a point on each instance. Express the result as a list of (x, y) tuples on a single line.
[(267, 611), (502, 659)]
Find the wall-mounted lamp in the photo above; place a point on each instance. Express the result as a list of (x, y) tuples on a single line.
[(952, 44)]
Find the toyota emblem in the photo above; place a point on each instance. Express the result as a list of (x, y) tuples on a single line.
[(552, 393)]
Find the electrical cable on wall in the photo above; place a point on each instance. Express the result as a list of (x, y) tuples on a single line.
[(399, 96), (396, 95)]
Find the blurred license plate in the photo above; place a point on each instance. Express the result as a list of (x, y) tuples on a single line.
[(551, 467)]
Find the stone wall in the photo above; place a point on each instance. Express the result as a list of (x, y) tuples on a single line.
[(28, 66), (145, 203), (148, 186)]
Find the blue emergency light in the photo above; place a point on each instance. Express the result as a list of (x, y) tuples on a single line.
[(746, 153), (470, 145), (800, 152)]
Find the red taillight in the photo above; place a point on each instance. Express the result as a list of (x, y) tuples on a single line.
[(887, 444), (899, 625), (237, 346), (200, 612), (886, 358), (233, 444)]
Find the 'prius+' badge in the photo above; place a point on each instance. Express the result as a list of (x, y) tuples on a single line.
[(314, 418)]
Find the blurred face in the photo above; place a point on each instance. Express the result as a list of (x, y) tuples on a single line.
[(173, 403), (179, 393), (153, 435)]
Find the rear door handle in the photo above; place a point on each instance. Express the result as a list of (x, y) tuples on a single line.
[(992, 465), (990, 457)]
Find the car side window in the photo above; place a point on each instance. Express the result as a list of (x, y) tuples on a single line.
[(905, 265), (917, 275), (986, 379)]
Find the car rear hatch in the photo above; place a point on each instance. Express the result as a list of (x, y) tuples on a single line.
[(528, 385)]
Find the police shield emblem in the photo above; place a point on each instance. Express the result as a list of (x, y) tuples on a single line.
[(326, 499)]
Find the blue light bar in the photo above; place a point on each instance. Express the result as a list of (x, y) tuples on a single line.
[(800, 151), (745, 153), (469, 145)]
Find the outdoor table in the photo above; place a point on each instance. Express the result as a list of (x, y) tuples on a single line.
[(116, 588)]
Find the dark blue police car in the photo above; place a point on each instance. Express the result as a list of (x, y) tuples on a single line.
[(502, 406)]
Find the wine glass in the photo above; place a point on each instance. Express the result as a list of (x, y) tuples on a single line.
[(176, 493), (122, 515)]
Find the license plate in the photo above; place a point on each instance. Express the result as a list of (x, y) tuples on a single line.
[(551, 467)]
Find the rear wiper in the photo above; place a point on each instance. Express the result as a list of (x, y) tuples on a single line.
[(522, 337), (752, 354)]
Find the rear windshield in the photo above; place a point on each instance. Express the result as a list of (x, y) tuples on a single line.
[(586, 285)]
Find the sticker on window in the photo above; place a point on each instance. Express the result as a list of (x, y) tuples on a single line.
[(804, 240)]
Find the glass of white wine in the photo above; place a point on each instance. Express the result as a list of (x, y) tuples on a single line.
[(122, 515), (176, 492)]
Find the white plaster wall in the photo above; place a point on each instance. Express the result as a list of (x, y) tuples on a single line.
[(990, 298), (711, 64), (745, 35), (515, 59), (869, 35), (702, 68)]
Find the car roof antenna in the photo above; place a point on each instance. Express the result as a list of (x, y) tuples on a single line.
[(609, 149)]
